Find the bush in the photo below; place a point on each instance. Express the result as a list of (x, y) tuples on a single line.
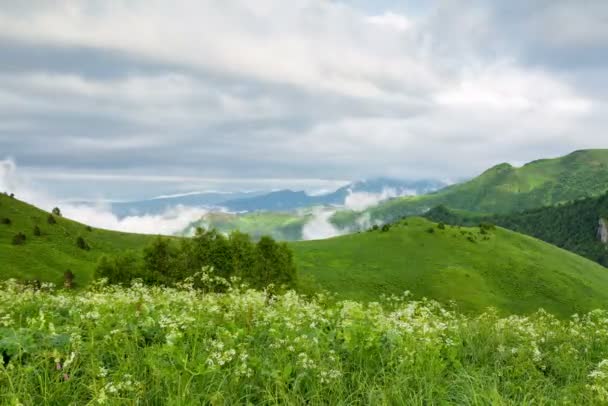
[(51, 220), (82, 244), (68, 279), (88, 228), (386, 228), (6, 221), (56, 212), (441, 226), (19, 239), (430, 230), (37, 231)]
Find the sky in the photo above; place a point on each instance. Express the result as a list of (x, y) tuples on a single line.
[(120, 99)]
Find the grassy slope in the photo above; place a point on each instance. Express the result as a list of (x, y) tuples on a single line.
[(504, 189), (48, 256), (572, 226), (510, 271)]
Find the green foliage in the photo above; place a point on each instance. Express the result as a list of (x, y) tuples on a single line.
[(166, 262), (37, 231), (82, 244), (68, 279), (19, 239), (386, 228), (572, 226), (121, 268), (6, 221), (173, 346), (505, 189), (47, 257), (503, 269), (56, 212), (51, 219)]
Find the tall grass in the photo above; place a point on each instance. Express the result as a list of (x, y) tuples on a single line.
[(177, 346)]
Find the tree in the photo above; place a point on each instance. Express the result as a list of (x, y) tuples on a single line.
[(56, 212), (274, 264), (243, 256), (37, 231), (121, 268), (51, 220), (82, 244), (19, 239), (386, 228), (158, 260)]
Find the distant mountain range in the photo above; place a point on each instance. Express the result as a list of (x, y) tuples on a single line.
[(286, 200), (282, 200)]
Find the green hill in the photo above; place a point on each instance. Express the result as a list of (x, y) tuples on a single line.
[(505, 189), (500, 268), (573, 226), (48, 256), (513, 272)]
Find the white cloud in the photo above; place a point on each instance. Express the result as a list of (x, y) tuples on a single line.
[(359, 201), (319, 227), (172, 221)]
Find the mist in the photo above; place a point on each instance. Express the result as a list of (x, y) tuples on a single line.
[(172, 221)]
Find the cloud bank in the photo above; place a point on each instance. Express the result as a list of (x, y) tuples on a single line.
[(308, 89), (174, 220)]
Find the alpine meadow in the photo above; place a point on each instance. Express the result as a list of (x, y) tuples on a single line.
[(303, 203)]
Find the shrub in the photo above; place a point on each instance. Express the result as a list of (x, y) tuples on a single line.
[(56, 212), (430, 230), (19, 239), (89, 228), (37, 231), (68, 279), (82, 244), (6, 221), (386, 228), (441, 226), (51, 220)]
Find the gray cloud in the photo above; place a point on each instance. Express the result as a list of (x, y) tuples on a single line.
[(299, 90)]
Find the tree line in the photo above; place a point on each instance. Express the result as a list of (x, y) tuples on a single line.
[(168, 260)]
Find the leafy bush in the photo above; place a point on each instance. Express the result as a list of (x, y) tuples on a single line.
[(386, 228), (56, 212), (51, 220), (37, 231), (82, 244), (166, 261), (19, 239), (6, 221)]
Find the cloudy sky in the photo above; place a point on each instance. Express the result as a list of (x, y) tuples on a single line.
[(126, 98)]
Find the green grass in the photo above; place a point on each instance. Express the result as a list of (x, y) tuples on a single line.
[(504, 189), (48, 256), (509, 271), (503, 269), (162, 346)]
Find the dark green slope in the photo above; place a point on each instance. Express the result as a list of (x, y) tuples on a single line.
[(505, 189), (504, 269), (48, 256), (573, 226)]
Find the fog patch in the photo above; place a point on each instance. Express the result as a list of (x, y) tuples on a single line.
[(172, 221), (359, 201), (320, 227)]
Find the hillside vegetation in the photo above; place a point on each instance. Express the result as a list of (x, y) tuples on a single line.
[(48, 256), (474, 267), (168, 346), (572, 226), (504, 189)]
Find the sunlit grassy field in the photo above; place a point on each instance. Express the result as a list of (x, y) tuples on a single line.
[(177, 346)]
